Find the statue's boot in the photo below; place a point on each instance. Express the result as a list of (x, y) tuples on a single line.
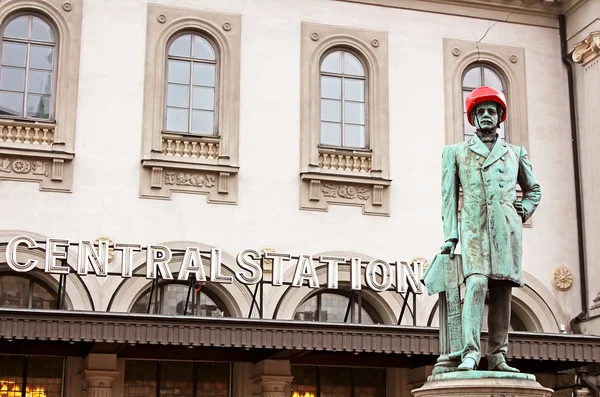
[(468, 364), (503, 366)]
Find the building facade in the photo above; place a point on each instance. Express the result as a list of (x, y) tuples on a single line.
[(237, 198)]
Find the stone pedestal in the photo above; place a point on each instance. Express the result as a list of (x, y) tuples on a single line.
[(482, 384)]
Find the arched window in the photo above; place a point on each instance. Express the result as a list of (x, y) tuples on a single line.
[(170, 298), (191, 81), (337, 307), (343, 114), (478, 75), (25, 293), (28, 66)]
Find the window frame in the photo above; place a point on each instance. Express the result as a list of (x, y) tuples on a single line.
[(508, 62), (501, 77), (216, 110), (159, 289), (342, 77), (344, 175), (29, 42), (46, 146), (167, 155), (32, 281), (354, 298)]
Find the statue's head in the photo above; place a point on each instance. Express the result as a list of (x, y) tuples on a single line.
[(486, 108)]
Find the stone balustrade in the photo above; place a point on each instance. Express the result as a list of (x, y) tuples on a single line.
[(26, 132), (344, 160), (192, 147)]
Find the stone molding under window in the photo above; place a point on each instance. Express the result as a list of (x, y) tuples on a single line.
[(345, 176), (188, 163), (42, 151), (509, 62)]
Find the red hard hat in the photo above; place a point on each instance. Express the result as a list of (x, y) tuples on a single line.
[(485, 94)]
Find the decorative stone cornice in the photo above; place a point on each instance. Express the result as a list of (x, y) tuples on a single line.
[(588, 49)]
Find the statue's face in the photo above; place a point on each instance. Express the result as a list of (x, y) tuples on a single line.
[(486, 116)]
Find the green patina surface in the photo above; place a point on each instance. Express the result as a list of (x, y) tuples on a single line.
[(488, 171), (481, 375)]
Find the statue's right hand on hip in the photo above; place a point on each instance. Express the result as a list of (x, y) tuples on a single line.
[(448, 248)]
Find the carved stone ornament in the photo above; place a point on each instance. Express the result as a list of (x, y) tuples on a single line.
[(314, 36), (162, 18), (67, 6), (346, 191), (188, 179), (420, 259), (267, 263), (562, 278), (588, 49), (375, 43), (456, 51), (227, 26), (20, 166), (513, 58)]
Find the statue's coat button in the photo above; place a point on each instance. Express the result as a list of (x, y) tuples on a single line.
[(477, 157)]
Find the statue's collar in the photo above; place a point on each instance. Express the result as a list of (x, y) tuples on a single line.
[(497, 151)]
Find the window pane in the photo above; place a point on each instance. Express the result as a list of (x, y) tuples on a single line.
[(179, 72), (140, 378), (173, 298), (178, 95), (213, 379), (181, 46), (304, 383), (176, 378), (203, 122), (203, 49), (352, 65), (40, 57), (204, 98), (44, 376), (354, 112), (42, 298), (336, 381), (308, 310), (17, 28), (469, 129), (40, 82), (11, 103), (12, 79), (492, 79), (41, 31), (354, 136), (333, 308), (14, 54), (209, 308), (473, 78), (331, 87), (38, 106), (354, 90), (369, 382), (177, 120), (204, 74), (331, 134), (14, 292), (141, 305), (331, 63), (331, 110), (11, 374)]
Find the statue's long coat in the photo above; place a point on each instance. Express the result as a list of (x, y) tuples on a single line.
[(490, 227)]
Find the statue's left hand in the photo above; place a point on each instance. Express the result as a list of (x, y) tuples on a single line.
[(519, 207), (448, 248)]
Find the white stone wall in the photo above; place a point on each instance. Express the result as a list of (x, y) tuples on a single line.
[(105, 198)]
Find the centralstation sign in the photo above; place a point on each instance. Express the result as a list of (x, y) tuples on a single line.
[(379, 275)]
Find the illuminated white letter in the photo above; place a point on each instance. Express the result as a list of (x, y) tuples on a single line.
[(87, 253), (355, 276), (215, 268), (332, 269), (245, 259), (305, 270), (407, 276), (371, 275), (192, 263), (127, 255), (11, 254), (158, 256), (52, 255), (277, 266)]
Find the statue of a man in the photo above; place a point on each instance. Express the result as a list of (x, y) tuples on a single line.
[(491, 223)]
